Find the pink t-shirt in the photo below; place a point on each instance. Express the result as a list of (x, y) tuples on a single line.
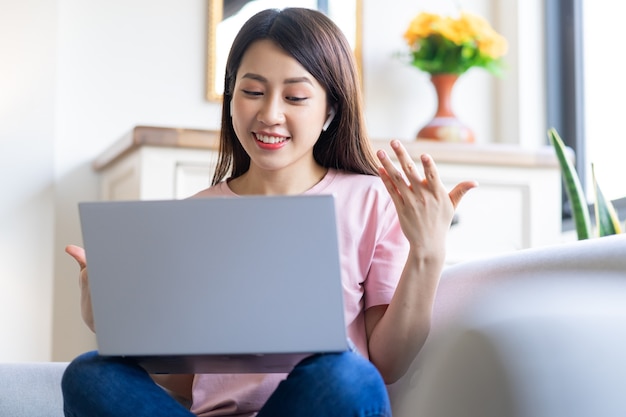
[(373, 252)]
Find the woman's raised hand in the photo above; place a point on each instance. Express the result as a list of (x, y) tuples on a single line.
[(425, 208), (86, 310)]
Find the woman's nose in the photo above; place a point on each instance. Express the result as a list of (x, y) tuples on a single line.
[(271, 112)]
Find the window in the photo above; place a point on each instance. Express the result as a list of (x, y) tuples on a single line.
[(605, 93), (585, 89)]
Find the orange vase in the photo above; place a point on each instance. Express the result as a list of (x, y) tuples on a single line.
[(445, 126)]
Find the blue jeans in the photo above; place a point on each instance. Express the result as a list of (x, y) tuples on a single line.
[(343, 384)]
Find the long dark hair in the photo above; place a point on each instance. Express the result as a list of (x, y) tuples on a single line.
[(321, 48)]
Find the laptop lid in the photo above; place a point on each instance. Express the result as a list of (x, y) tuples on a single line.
[(226, 284)]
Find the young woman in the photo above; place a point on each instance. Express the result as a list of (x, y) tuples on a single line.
[(293, 124)]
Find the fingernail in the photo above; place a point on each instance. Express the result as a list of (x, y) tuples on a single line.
[(381, 154)]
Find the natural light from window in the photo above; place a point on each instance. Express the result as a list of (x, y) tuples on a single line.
[(605, 95)]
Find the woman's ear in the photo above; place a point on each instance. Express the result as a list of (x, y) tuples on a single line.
[(331, 115)]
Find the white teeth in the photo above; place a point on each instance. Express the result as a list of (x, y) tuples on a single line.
[(270, 139)]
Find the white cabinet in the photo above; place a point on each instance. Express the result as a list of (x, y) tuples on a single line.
[(153, 163), (517, 204), (158, 173)]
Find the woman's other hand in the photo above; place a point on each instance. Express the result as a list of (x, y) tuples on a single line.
[(425, 208), (86, 310)]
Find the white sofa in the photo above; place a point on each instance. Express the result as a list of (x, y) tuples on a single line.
[(537, 332)]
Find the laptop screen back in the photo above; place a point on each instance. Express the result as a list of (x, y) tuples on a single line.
[(216, 284)]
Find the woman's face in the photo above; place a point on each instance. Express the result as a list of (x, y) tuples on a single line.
[(278, 109)]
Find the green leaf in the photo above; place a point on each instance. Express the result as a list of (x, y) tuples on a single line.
[(437, 54), (572, 187), (606, 218)]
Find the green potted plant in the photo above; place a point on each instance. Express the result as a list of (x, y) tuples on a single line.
[(607, 221)]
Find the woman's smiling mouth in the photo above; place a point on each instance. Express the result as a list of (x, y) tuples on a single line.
[(270, 140)]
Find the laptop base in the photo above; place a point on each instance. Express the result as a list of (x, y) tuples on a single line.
[(220, 364)]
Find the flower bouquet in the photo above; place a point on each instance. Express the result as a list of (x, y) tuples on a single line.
[(446, 47), (452, 45)]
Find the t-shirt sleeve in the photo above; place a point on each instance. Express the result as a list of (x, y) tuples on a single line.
[(389, 258)]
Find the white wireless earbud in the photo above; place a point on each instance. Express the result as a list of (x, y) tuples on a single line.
[(331, 116), (231, 108)]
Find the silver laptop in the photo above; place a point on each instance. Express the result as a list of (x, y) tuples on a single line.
[(215, 285)]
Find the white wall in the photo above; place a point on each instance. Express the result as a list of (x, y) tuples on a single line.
[(75, 76), (27, 119), (121, 63)]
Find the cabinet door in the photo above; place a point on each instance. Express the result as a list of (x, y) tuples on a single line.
[(512, 208), (492, 218), (158, 173), (192, 177)]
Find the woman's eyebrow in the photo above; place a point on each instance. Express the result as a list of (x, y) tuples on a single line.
[(260, 78), (298, 80), (255, 77)]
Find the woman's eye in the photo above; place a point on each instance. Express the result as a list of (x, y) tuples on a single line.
[(296, 99), (252, 93)]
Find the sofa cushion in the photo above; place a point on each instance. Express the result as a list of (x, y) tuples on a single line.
[(31, 387), (464, 284), (549, 346)]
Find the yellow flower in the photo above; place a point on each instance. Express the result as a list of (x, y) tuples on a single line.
[(423, 25), (455, 30), (477, 28), (495, 46), (454, 44)]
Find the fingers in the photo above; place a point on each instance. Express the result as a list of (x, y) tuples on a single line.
[(406, 162), (409, 167), (390, 174), (430, 169), (78, 254), (460, 190), (394, 179), (396, 182)]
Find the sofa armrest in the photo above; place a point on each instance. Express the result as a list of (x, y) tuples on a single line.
[(582, 259), (31, 389), (546, 347), (463, 284)]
